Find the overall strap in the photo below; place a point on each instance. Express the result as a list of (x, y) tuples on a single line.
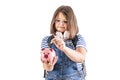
[(49, 40), (74, 41)]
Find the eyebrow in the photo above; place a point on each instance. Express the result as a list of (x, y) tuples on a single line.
[(61, 19)]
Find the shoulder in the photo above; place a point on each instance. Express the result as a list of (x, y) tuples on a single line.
[(45, 38), (81, 41), (79, 36), (44, 43)]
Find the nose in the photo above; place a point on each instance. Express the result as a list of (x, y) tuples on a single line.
[(61, 23)]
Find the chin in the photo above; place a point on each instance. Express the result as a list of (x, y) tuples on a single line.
[(61, 30)]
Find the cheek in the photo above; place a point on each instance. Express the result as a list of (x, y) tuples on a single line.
[(56, 27), (66, 27)]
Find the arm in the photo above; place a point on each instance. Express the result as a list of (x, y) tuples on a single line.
[(47, 66), (77, 55)]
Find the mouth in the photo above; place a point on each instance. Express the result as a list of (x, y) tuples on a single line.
[(61, 28)]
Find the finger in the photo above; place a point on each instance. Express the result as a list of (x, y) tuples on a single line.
[(47, 64), (53, 40), (45, 61), (55, 59), (50, 64), (42, 61)]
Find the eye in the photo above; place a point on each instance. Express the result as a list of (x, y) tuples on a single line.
[(65, 21), (57, 20), (61, 21)]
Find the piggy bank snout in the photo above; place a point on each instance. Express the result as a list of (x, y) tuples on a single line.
[(45, 56)]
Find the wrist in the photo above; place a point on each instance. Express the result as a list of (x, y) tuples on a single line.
[(49, 68), (65, 49)]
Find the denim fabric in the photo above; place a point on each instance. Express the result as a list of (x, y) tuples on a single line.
[(65, 69)]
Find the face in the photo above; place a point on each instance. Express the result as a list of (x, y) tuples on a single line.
[(61, 23)]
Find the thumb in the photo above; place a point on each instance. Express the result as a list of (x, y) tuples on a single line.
[(55, 59)]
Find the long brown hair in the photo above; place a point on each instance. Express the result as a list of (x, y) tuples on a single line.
[(72, 22)]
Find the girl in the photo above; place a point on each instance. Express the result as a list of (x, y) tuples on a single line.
[(67, 65)]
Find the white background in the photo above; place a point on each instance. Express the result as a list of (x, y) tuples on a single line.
[(23, 23)]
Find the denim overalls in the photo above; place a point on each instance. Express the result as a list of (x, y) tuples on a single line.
[(65, 69)]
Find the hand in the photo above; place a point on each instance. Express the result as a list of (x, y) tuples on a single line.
[(48, 66), (59, 43)]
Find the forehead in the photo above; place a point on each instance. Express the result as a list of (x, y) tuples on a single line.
[(61, 16)]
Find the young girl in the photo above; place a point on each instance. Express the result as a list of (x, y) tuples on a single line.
[(67, 65)]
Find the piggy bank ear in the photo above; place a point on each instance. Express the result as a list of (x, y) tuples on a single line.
[(42, 49), (51, 49)]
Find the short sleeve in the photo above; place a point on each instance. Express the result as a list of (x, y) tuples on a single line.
[(44, 43), (81, 42)]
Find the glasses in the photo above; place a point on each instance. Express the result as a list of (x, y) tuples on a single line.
[(58, 21)]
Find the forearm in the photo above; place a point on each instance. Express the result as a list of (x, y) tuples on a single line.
[(77, 55), (74, 55)]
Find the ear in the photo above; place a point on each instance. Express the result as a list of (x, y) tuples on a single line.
[(51, 49), (42, 49)]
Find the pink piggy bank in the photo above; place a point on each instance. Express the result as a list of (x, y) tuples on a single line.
[(47, 54)]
